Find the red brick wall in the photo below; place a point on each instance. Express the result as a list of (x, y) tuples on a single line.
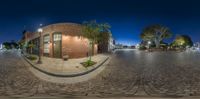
[(72, 43)]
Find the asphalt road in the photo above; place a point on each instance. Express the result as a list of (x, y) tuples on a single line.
[(130, 73)]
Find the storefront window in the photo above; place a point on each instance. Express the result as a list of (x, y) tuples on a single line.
[(46, 44), (57, 37)]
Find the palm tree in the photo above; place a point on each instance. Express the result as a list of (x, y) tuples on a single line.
[(91, 30), (156, 33)]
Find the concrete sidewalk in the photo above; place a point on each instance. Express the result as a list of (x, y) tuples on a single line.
[(74, 97), (69, 67), (67, 77)]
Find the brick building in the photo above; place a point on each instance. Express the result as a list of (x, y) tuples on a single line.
[(60, 39)]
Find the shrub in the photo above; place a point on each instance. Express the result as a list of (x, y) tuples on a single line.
[(31, 57), (88, 63), (142, 48)]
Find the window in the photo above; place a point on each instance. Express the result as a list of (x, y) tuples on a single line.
[(57, 37), (36, 46), (46, 38), (46, 44), (57, 45)]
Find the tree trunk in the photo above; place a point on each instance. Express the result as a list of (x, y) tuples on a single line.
[(31, 50), (92, 48)]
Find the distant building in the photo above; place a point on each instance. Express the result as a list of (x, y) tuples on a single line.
[(196, 46), (137, 46), (125, 46), (119, 46), (58, 40), (111, 44), (107, 46), (133, 47)]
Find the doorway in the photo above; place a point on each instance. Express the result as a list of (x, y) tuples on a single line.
[(57, 45)]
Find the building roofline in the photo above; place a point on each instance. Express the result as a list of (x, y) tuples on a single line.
[(62, 23)]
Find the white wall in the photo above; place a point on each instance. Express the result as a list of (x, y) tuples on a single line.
[(111, 46)]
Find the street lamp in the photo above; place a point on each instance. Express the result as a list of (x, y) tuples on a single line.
[(40, 30), (149, 43)]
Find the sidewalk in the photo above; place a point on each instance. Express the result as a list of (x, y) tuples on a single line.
[(69, 68), (100, 97)]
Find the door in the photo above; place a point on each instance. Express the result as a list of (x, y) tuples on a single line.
[(57, 45)]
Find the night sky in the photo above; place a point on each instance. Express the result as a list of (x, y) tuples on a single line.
[(127, 17)]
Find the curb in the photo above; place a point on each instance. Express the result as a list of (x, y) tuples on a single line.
[(60, 75)]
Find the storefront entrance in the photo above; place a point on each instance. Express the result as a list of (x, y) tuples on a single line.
[(57, 45)]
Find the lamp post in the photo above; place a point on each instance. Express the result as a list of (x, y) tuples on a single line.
[(149, 43), (40, 30)]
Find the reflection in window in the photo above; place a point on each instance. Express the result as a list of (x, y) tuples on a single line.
[(57, 37), (46, 44)]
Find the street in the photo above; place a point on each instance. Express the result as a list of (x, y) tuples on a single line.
[(130, 73)]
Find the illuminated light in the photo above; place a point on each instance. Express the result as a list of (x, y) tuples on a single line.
[(149, 42), (137, 45), (66, 37), (181, 43), (86, 39), (40, 30), (81, 38), (77, 38)]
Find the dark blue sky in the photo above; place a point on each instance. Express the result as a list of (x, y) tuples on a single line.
[(127, 17)]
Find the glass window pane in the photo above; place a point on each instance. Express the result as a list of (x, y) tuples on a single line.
[(46, 38), (46, 43), (46, 48), (57, 37)]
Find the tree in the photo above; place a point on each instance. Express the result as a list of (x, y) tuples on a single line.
[(91, 30), (7, 45), (104, 37), (156, 33), (182, 41), (21, 44), (31, 46), (10, 45), (14, 44)]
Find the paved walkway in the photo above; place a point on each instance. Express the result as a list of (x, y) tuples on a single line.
[(99, 98), (129, 73), (69, 67)]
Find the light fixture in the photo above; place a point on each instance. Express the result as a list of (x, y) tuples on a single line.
[(40, 30), (149, 42)]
